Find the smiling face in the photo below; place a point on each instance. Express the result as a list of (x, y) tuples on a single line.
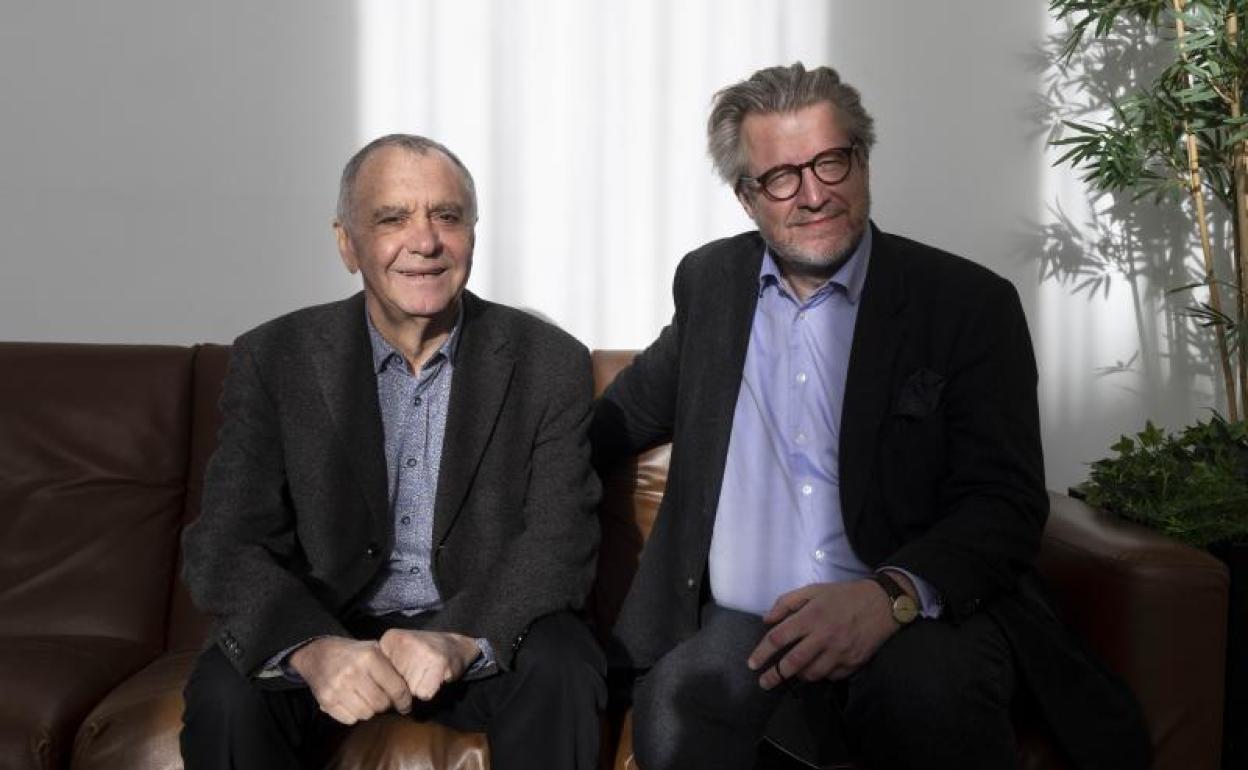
[(814, 232), (410, 233)]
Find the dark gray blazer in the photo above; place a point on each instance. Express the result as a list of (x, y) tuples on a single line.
[(296, 520), (941, 467)]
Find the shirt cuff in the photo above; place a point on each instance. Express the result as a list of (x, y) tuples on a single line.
[(484, 665), (931, 604), (279, 666)]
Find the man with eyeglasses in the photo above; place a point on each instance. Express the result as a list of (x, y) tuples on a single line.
[(842, 559)]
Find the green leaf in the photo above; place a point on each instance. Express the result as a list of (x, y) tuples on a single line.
[(1124, 446)]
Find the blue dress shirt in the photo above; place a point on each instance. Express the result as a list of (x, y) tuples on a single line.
[(779, 524)]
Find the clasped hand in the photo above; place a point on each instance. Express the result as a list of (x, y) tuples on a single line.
[(353, 679), (833, 629)]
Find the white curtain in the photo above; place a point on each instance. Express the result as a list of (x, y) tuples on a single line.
[(583, 122)]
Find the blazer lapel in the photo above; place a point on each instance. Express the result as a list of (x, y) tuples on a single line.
[(343, 363), (483, 369), (877, 339), (724, 344)]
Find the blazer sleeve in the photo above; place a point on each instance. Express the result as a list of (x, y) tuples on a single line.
[(242, 554), (991, 503), (549, 566), (638, 408)]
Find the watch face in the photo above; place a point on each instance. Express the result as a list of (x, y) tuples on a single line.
[(904, 609)]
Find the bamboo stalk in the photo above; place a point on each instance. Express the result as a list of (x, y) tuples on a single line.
[(1240, 196), (1206, 245)]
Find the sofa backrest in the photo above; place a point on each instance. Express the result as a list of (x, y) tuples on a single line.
[(93, 465)]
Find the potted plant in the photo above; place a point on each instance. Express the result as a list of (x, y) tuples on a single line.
[(1182, 139)]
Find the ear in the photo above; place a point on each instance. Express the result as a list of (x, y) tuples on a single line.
[(346, 249)]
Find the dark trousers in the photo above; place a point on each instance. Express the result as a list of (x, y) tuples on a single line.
[(541, 714), (934, 695)]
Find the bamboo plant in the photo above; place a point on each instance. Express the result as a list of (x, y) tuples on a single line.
[(1181, 139)]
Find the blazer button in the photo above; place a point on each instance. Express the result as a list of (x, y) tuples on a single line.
[(689, 583), (372, 550)]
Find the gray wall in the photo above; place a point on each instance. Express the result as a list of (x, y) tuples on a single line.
[(169, 168)]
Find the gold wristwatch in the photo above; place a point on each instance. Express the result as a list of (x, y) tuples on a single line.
[(904, 608)]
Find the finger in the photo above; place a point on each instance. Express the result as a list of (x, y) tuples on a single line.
[(777, 638), (429, 683), (774, 675), (372, 698), (331, 707), (786, 604), (348, 708), (791, 663), (339, 714), (393, 685), (821, 667)]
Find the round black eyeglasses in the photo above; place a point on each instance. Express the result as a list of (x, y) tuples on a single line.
[(781, 183)]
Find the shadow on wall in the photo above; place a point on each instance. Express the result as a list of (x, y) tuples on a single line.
[(1146, 249)]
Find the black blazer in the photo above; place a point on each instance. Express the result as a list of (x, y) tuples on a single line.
[(296, 520), (941, 466)]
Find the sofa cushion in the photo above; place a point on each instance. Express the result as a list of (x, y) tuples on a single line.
[(50, 683), (137, 725)]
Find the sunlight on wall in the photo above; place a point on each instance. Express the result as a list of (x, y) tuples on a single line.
[(1112, 346), (583, 123)]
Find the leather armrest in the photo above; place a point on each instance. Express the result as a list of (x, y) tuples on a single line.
[(1155, 612)]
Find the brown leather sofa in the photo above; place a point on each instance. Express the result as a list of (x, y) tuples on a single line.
[(102, 451)]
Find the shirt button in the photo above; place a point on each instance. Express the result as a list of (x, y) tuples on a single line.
[(414, 570), (801, 316), (801, 377), (411, 462), (416, 401), (807, 489), (406, 520), (820, 555), (801, 438)]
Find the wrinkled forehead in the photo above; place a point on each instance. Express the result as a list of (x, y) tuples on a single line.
[(774, 138), (405, 178)]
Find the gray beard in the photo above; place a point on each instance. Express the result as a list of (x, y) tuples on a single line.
[(822, 266)]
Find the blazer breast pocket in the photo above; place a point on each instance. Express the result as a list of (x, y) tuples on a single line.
[(914, 452), (919, 395)]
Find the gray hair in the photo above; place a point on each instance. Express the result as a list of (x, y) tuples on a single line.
[(411, 142), (780, 89)]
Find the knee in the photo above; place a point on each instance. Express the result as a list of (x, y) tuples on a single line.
[(656, 722)]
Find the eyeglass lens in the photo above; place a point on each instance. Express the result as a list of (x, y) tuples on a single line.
[(830, 167)]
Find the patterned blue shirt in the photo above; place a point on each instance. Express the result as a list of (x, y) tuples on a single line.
[(413, 416)]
